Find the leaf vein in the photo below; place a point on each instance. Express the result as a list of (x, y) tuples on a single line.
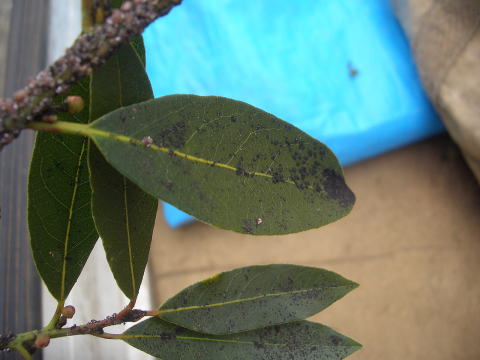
[(253, 298), (69, 222)]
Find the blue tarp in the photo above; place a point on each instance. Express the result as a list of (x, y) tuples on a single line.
[(340, 70)]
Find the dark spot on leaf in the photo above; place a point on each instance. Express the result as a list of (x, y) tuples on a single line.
[(288, 285), (179, 330), (168, 336), (258, 345), (240, 171), (335, 340), (336, 189), (277, 177), (233, 118), (247, 226), (172, 136), (168, 185)]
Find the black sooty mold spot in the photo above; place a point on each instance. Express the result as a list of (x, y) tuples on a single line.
[(337, 189), (172, 136)]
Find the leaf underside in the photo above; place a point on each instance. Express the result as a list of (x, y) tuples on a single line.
[(297, 341), (227, 163), (254, 297), (61, 227), (124, 214)]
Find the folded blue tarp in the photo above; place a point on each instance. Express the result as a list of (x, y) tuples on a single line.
[(340, 70)]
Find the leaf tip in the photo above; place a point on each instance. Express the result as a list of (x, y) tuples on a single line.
[(337, 189)]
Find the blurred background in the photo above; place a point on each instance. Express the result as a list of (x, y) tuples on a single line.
[(391, 86)]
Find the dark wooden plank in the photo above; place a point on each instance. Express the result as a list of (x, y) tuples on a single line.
[(20, 297)]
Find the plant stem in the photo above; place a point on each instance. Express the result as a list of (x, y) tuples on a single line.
[(94, 328), (53, 322), (89, 51), (153, 313), (22, 351), (63, 127)]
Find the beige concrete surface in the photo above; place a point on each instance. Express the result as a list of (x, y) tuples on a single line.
[(412, 242)]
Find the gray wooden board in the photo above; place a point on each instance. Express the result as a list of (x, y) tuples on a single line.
[(24, 51)]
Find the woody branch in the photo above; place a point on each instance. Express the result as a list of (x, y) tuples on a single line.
[(89, 51)]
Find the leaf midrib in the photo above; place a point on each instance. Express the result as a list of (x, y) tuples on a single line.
[(129, 240), (145, 336), (254, 343), (253, 298), (69, 222), (125, 195), (92, 132)]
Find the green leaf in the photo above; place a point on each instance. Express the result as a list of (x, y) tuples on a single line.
[(226, 163), (61, 227), (297, 341), (253, 297), (139, 46), (124, 214), (116, 3)]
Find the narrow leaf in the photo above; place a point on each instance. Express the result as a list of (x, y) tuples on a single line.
[(297, 341), (116, 3), (124, 214), (254, 297), (139, 47), (61, 227), (226, 163)]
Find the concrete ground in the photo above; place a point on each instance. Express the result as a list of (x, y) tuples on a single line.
[(412, 242)]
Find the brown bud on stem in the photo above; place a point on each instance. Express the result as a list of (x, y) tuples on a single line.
[(20, 95), (68, 311), (42, 341), (75, 104)]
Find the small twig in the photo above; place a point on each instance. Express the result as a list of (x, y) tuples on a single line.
[(94, 327), (24, 352), (89, 51)]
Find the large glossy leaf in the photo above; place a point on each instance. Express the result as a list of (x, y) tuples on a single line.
[(124, 214), (254, 297), (226, 163), (61, 227), (297, 341)]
